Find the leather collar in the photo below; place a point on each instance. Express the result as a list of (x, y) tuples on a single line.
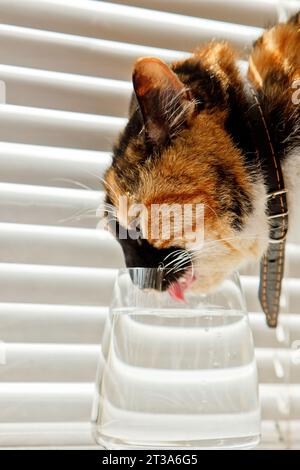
[(272, 262)]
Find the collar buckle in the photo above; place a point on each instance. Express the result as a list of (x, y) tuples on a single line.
[(279, 192), (278, 220)]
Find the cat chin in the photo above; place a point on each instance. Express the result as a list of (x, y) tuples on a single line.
[(243, 254)]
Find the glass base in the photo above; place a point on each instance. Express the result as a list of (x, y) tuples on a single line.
[(233, 443)]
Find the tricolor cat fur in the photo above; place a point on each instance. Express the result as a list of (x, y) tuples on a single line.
[(187, 141)]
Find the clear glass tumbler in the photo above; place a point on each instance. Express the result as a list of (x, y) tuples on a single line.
[(176, 375)]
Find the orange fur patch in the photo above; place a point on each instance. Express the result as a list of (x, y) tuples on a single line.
[(277, 50)]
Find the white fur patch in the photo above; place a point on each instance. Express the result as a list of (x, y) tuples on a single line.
[(256, 227), (291, 171)]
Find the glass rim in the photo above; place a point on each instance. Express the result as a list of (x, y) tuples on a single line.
[(233, 274)]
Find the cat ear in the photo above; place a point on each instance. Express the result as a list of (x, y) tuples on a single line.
[(164, 101)]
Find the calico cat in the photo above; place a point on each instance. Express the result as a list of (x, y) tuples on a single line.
[(187, 141)]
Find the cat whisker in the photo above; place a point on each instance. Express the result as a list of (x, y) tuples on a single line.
[(79, 215), (178, 257), (77, 183), (107, 185)]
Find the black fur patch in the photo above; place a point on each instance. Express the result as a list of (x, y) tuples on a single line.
[(238, 202), (237, 126), (139, 253), (282, 117), (205, 86), (295, 19)]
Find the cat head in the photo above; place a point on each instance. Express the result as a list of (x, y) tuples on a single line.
[(179, 191)]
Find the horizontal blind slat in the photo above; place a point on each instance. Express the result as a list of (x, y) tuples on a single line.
[(50, 245), (29, 48), (35, 323), (56, 402), (51, 323), (40, 205), (55, 90), (47, 435), (58, 128), (86, 56), (122, 23), (55, 285), (92, 286), (48, 363), (41, 362), (52, 166), (291, 285), (45, 402), (265, 337), (37, 244), (76, 436), (255, 13)]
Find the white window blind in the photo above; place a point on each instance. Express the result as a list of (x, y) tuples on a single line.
[(66, 66)]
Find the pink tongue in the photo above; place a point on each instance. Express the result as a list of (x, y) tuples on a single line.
[(176, 291)]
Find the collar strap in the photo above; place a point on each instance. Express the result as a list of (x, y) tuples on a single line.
[(272, 262)]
